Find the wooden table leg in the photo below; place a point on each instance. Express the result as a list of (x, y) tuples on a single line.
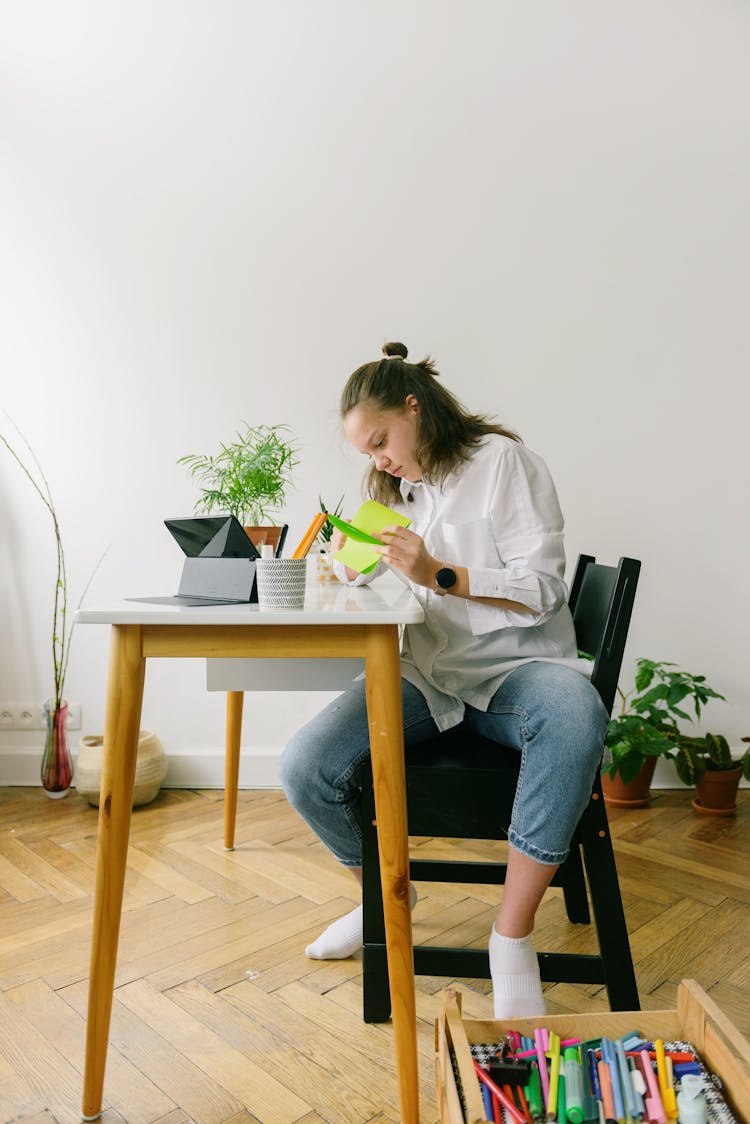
[(232, 765), (121, 728), (385, 717)]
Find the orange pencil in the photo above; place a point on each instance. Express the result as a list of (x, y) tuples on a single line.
[(310, 535)]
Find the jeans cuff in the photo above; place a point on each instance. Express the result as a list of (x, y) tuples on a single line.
[(548, 858)]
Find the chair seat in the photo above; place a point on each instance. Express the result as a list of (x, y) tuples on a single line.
[(461, 786)]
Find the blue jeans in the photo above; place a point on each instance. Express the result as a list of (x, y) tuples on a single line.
[(549, 713)]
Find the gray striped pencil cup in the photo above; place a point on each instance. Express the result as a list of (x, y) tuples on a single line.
[(281, 582)]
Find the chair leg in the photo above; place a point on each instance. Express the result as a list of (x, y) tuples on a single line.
[(570, 876), (609, 915), (376, 995)]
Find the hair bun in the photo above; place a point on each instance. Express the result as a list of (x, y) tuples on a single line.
[(395, 350)]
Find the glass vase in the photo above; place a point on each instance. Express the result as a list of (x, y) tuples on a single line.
[(324, 564), (57, 764)]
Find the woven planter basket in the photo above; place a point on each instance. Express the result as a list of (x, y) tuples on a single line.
[(150, 769)]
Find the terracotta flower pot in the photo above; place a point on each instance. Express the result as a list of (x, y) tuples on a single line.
[(716, 792), (629, 794)]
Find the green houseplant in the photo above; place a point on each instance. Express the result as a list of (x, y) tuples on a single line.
[(249, 478), (646, 727), (325, 534), (707, 763)]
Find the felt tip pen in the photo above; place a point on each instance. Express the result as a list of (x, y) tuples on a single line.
[(534, 1092), (638, 1084), (628, 1092), (487, 1098), (605, 1084), (542, 1060), (608, 1055), (654, 1107), (561, 1101), (590, 1103), (573, 1086), (668, 1099), (554, 1074)]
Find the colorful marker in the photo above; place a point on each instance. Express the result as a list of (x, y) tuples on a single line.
[(554, 1074), (534, 1093), (605, 1084), (573, 1086), (654, 1107), (542, 1060), (666, 1090)]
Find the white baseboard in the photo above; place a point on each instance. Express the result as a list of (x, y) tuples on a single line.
[(193, 769)]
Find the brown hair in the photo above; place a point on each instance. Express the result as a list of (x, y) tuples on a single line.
[(446, 432)]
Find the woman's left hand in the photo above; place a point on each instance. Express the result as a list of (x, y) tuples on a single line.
[(406, 552)]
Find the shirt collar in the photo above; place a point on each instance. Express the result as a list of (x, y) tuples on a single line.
[(408, 486)]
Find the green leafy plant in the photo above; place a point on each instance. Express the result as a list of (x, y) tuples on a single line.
[(647, 725), (326, 531), (697, 756), (249, 478)]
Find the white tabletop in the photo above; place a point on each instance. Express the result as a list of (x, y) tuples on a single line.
[(385, 601)]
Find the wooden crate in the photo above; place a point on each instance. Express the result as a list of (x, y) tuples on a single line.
[(697, 1020)]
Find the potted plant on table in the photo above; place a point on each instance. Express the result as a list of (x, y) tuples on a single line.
[(646, 728), (248, 479)]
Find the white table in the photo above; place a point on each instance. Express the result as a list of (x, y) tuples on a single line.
[(336, 623)]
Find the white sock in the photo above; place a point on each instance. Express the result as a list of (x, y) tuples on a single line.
[(343, 938), (517, 988)]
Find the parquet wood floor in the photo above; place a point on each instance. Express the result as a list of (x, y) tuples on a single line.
[(219, 1017)]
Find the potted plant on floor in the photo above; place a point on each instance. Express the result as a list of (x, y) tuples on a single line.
[(248, 479), (707, 763), (646, 728)]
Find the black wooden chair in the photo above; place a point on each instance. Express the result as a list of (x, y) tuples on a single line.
[(460, 785)]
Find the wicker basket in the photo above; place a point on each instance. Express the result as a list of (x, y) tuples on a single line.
[(150, 769)]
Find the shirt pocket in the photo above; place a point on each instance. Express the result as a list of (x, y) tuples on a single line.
[(471, 544)]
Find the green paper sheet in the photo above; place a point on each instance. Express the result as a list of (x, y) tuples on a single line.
[(366, 524)]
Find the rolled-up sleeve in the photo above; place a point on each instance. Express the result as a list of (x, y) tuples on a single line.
[(527, 528)]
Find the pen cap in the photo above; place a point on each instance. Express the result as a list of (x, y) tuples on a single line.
[(691, 1101), (573, 1086)]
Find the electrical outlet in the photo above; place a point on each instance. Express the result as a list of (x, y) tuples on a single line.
[(31, 716)]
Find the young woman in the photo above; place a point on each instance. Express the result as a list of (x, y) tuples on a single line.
[(496, 652)]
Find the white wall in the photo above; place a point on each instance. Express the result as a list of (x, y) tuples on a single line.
[(212, 212)]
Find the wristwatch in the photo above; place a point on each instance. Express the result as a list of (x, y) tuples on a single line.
[(445, 579)]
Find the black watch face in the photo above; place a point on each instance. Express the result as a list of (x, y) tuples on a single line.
[(446, 578)]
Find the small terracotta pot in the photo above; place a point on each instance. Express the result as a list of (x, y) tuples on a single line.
[(629, 794), (260, 536), (716, 792)]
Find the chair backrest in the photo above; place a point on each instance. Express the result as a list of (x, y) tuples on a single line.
[(601, 601)]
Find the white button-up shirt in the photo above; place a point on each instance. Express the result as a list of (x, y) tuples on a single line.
[(498, 515)]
